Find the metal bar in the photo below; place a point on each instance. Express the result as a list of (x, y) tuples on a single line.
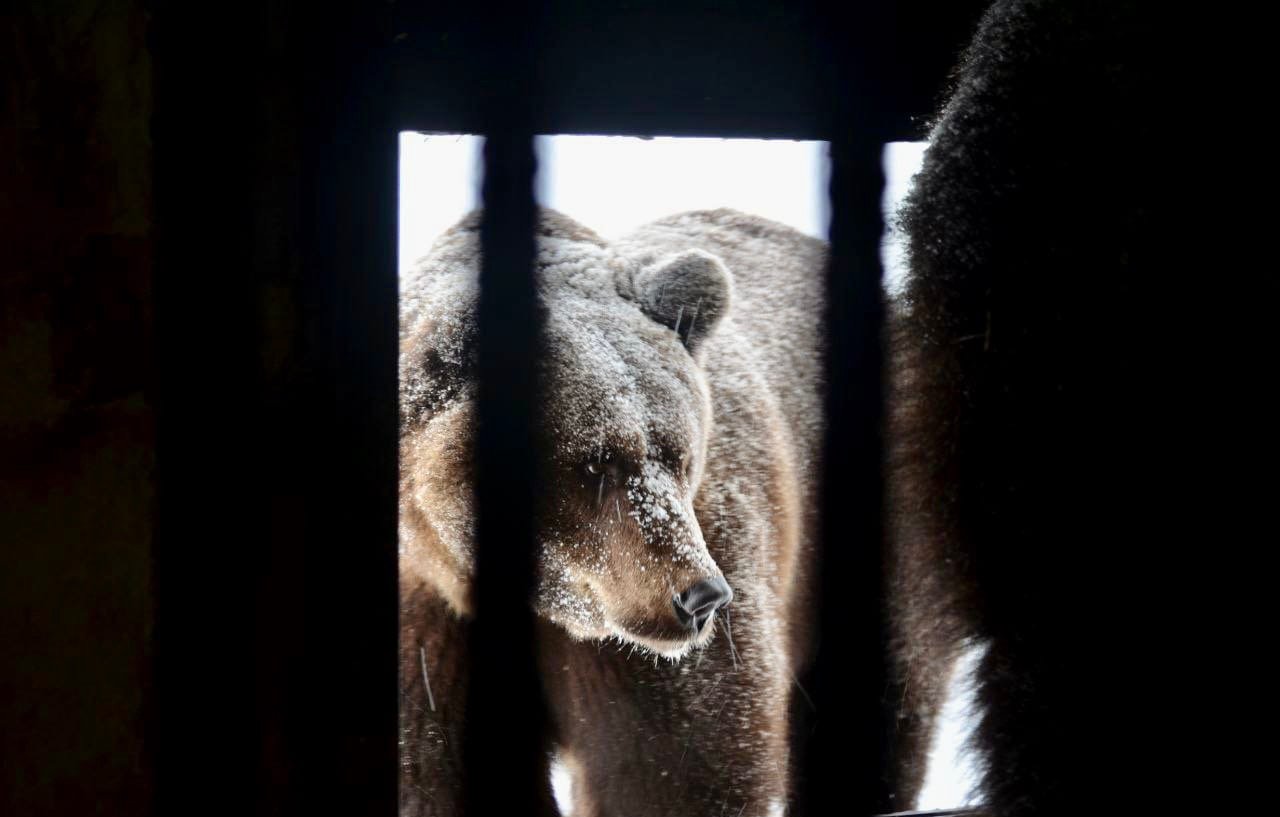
[(848, 757), (504, 725), (848, 754)]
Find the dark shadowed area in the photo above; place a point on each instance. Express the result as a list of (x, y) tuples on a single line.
[(77, 410), (198, 384)]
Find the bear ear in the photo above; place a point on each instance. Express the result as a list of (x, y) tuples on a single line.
[(688, 292)]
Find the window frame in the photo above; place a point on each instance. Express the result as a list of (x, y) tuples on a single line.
[(276, 324)]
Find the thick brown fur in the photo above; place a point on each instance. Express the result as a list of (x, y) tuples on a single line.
[(668, 456), (1041, 426)]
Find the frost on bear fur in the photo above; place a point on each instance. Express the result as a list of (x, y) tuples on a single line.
[(679, 442)]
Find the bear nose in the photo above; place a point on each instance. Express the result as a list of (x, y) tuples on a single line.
[(695, 605)]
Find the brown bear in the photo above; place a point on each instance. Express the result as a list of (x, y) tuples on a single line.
[(1042, 423), (682, 427)]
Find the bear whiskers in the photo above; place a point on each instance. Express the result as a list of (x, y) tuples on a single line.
[(422, 659), (803, 691), (708, 692), (728, 632)]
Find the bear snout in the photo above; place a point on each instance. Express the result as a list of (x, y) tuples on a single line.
[(697, 604)]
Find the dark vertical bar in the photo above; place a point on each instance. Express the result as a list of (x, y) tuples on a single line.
[(851, 753), (208, 551), (848, 754), (503, 743), (852, 689), (351, 348)]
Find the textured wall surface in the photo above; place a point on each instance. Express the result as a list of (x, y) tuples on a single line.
[(76, 422)]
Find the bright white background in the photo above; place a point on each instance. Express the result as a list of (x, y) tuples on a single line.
[(614, 184)]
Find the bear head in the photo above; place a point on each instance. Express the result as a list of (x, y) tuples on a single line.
[(623, 430)]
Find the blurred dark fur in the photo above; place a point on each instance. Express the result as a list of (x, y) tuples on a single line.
[(1043, 423)]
